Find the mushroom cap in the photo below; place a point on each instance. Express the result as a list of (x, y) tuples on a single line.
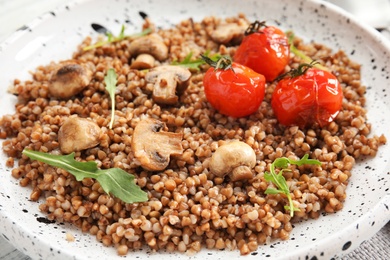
[(69, 78), (153, 147), (182, 74), (230, 156), (168, 80), (151, 44), (77, 134)]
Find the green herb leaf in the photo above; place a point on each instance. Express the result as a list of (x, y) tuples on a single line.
[(300, 54), (280, 182), (188, 63), (113, 181), (111, 38), (122, 35), (110, 80), (195, 64), (272, 191)]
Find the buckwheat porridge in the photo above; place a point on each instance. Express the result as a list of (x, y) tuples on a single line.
[(167, 142)]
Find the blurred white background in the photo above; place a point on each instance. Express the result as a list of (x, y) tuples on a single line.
[(16, 13), (373, 12)]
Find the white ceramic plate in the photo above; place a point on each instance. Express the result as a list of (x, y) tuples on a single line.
[(55, 35)]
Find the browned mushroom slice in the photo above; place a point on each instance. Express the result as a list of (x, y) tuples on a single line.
[(151, 44), (152, 146), (77, 134), (168, 80), (69, 79)]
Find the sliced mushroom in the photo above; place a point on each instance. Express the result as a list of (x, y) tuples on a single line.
[(151, 44), (168, 80), (77, 134), (69, 79), (152, 146), (235, 159), (143, 61), (228, 32)]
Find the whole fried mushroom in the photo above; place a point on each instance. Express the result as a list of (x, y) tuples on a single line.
[(151, 44), (168, 80), (152, 146), (228, 32), (77, 134), (235, 159), (143, 61), (69, 78)]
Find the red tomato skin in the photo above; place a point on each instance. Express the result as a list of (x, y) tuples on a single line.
[(237, 93), (314, 97), (267, 52)]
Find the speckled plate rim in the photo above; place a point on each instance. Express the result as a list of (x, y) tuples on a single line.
[(361, 228)]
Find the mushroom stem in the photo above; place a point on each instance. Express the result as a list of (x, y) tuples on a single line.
[(242, 172)]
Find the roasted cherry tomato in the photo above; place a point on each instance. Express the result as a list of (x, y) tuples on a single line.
[(233, 89), (265, 49), (306, 97)]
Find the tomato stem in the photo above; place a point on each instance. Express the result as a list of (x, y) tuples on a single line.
[(255, 27), (302, 68), (224, 62)]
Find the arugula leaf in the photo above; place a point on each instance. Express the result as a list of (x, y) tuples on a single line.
[(113, 181), (280, 182), (300, 54), (188, 63), (110, 80), (195, 64), (273, 191), (111, 38)]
